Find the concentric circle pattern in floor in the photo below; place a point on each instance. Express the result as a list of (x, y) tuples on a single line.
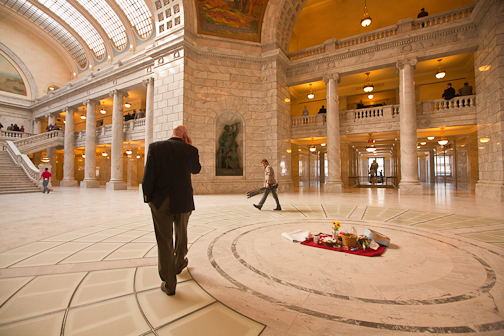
[(88, 267)]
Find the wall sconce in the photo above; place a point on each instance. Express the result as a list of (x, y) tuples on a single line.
[(440, 73), (368, 87), (366, 21), (311, 95), (127, 105), (289, 150), (484, 140)]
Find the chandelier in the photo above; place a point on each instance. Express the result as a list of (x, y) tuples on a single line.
[(366, 21), (440, 73), (368, 87), (311, 95), (443, 140), (370, 147)]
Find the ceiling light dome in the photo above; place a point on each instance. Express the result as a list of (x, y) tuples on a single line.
[(366, 21), (311, 95), (440, 73)]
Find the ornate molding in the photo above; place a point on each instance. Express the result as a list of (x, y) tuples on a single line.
[(148, 81), (401, 63), (335, 76), (90, 101), (118, 92)]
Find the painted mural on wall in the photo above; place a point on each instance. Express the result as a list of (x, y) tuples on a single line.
[(10, 80), (239, 19)]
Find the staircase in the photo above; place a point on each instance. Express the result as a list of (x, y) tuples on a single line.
[(13, 179)]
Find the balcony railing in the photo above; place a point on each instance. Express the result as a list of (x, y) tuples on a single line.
[(14, 135), (402, 26), (24, 161)]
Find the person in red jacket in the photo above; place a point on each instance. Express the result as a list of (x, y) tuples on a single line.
[(46, 175)]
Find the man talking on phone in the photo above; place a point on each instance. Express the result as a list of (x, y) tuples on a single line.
[(167, 187)]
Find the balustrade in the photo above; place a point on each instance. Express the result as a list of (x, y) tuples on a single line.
[(387, 32), (441, 18), (24, 161), (14, 134)]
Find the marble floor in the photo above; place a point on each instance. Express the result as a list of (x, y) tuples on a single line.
[(84, 262)]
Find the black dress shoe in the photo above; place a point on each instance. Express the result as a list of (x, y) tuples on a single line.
[(258, 206), (278, 208), (164, 289), (184, 265)]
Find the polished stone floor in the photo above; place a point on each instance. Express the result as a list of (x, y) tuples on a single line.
[(83, 262)]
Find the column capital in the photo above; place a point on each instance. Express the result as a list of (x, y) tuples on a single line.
[(401, 63), (336, 76), (148, 81), (87, 101), (119, 93)]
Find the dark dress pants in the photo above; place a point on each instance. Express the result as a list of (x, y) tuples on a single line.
[(170, 258)]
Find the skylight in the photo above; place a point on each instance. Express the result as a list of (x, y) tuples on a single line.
[(52, 27), (79, 23), (139, 16), (108, 19)]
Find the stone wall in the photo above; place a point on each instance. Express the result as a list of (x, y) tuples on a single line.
[(489, 70)]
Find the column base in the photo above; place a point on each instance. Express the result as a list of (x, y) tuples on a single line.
[(490, 190), (333, 187), (116, 185), (90, 184), (68, 183), (410, 188)]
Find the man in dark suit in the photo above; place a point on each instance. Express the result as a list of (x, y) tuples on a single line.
[(168, 189), (449, 93)]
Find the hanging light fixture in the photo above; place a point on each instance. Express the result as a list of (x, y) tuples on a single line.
[(129, 151), (366, 21), (368, 87), (102, 110), (311, 95), (443, 140), (440, 73), (423, 143), (104, 154), (312, 147), (127, 105), (370, 96), (83, 117), (430, 138), (484, 139), (370, 147)]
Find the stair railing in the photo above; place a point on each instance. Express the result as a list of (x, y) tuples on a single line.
[(24, 161)]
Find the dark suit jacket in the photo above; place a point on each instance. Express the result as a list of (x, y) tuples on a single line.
[(449, 93), (168, 170)]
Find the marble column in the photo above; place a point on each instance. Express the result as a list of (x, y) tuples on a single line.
[(51, 152), (116, 153), (334, 182), (409, 183), (69, 160), (432, 172), (322, 167), (149, 114), (37, 126), (132, 168), (90, 180)]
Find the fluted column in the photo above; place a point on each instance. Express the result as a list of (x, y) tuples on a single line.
[(68, 160), (116, 157), (409, 183), (90, 180), (51, 152), (334, 182), (432, 167), (149, 114)]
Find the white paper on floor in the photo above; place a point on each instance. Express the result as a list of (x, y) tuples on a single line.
[(296, 236)]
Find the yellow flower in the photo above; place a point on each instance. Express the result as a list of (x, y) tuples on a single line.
[(336, 225)]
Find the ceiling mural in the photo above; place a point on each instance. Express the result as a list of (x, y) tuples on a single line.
[(10, 80), (238, 19)]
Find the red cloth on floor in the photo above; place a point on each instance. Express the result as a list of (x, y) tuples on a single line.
[(366, 253)]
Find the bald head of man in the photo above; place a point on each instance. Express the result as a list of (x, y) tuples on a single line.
[(181, 132)]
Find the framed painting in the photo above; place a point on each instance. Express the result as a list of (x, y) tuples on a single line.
[(10, 80)]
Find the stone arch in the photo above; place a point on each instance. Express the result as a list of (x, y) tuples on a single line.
[(277, 28), (31, 85)]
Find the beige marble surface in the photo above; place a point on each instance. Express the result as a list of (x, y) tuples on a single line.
[(83, 261)]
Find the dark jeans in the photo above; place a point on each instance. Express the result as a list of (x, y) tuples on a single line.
[(170, 258), (266, 193)]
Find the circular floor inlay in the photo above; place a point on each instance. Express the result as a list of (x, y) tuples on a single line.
[(426, 281)]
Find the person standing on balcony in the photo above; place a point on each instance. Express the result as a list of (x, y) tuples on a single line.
[(422, 13), (322, 110), (46, 175), (466, 90), (305, 111), (21, 129), (449, 93)]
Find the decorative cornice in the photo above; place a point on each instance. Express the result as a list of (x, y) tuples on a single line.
[(335, 76), (401, 63), (119, 93), (338, 54)]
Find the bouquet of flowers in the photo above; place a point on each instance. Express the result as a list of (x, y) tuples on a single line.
[(336, 225)]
